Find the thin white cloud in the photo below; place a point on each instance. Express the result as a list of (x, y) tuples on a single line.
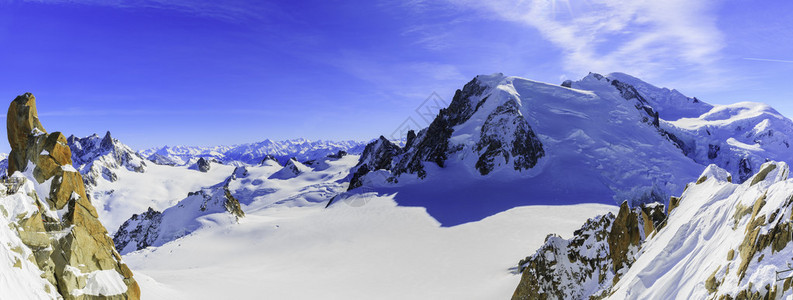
[(769, 60), (642, 37), (226, 10)]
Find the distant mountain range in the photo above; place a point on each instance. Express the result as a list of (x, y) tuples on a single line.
[(252, 153)]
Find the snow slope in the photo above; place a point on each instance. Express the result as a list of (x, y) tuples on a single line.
[(20, 277), (364, 247), (715, 218), (670, 104), (376, 251), (160, 187)]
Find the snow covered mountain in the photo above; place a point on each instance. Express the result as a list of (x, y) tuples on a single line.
[(601, 139), (253, 153), (721, 240), (99, 158)]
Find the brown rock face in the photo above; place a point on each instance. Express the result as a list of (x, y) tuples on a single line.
[(624, 234), (21, 121), (589, 264), (78, 240)]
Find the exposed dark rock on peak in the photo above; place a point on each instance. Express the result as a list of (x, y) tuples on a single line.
[(506, 133), (629, 92), (713, 151), (140, 229), (337, 155), (505, 137), (432, 143), (377, 155), (744, 169), (292, 168), (411, 137), (269, 159), (107, 141), (203, 164)]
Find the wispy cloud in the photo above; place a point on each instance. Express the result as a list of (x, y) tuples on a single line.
[(391, 75), (769, 60), (643, 37), (226, 10)]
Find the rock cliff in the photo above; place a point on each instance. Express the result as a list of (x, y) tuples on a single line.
[(592, 261), (71, 247)]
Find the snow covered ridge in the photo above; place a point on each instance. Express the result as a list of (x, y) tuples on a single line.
[(738, 137), (607, 137), (153, 228), (721, 240), (253, 153)]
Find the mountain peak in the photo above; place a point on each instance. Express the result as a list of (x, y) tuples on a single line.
[(107, 141), (60, 199)]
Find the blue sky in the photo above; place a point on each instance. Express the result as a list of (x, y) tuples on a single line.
[(166, 72)]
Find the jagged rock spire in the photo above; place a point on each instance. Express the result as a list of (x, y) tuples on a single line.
[(21, 122), (84, 244)]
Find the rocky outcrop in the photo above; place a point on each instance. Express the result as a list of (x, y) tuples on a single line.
[(203, 165), (378, 155), (506, 133), (432, 143), (560, 268), (337, 155), (630, 228), (70, 244), (591, 262), (630, 93), (141, 229)]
